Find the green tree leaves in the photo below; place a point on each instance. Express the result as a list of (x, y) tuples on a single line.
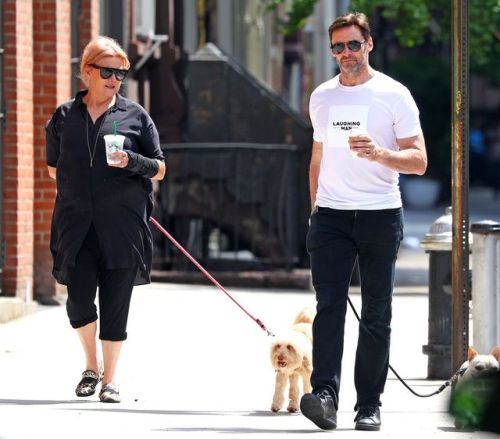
[(297, 13), (416, 22), (419, 21)]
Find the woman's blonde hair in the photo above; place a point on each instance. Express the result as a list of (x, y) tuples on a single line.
[(99, 48)]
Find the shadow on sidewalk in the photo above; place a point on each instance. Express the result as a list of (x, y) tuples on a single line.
[(41, 402), (246, 430)]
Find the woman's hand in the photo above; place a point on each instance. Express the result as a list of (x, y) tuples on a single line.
[(120, 159), (147, 167)]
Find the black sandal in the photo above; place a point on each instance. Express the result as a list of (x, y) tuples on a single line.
[(109, 393), (88, 383)]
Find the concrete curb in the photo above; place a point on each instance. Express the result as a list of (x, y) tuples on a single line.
[(13, 308)]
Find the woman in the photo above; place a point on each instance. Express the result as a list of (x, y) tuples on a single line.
[(100, 235)]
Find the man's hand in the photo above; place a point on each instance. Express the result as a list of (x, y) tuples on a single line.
[(363, 146), (410, 159)]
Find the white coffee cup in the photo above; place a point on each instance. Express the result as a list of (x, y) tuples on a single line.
[(114, 143)]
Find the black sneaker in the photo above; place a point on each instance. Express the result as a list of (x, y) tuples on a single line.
[(368, 418), (320, 409)]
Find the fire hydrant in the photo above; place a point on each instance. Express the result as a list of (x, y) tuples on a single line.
[(438, 243)]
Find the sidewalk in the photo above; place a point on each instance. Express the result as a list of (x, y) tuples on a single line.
[(195, 366)]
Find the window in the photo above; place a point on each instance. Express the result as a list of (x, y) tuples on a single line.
[(145, 13)]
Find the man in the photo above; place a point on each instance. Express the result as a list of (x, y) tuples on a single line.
[(366, 132)]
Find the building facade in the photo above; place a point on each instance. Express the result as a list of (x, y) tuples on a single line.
[(40, 45), (36, 57)]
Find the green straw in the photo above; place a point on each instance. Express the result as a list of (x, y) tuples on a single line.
[(114, 127)]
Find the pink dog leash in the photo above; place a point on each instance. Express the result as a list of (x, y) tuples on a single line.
[(207, 274)]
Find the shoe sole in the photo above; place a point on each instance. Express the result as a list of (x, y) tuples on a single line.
[(311, 408), (110, 401), (365, 427), (84, 395)]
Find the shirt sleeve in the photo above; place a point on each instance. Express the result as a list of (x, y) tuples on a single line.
[(406, 117), (150, 139), (313, 113), (52, 139)]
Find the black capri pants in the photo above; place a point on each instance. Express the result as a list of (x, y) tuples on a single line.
[(115, 291)]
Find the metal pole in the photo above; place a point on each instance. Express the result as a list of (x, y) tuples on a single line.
[(460, 182), (2, 122)]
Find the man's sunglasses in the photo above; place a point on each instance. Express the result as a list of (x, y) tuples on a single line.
[(353, 46), (106, 72)]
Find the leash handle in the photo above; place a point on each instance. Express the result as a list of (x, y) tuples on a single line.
[(206, 273)]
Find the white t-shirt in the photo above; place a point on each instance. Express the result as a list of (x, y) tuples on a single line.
[(381, 107)]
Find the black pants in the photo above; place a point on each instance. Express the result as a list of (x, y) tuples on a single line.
[(115, 291), (335, 239)]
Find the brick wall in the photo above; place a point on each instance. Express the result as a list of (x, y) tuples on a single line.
[(88, 22), (51, 74), (37, 73), (18, 148)]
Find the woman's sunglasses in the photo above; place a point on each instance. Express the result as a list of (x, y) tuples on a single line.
[(106, 72), (353, 46)]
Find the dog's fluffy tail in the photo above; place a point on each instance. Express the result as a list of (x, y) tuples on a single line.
[(306, 315)]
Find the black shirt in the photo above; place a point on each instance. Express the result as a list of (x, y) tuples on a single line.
[(117, 202)]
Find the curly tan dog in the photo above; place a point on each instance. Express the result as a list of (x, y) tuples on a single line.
[(291, 358)]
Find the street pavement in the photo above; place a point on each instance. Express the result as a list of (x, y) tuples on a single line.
[(195, 365)]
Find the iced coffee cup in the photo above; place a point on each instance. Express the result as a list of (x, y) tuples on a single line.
[(114, 143), (354, 135)]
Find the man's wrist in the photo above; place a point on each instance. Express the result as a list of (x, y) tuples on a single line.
[(378, 154)]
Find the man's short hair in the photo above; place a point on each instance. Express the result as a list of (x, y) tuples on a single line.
[(357, 19)]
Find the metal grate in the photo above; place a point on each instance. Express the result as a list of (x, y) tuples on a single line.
[(233, 206)]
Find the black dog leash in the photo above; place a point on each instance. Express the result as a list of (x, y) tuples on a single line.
[(443, 386), (207, 274)]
